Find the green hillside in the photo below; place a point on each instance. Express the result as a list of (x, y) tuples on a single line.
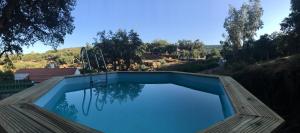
[(67, 57)]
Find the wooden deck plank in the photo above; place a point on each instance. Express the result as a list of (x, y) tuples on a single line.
[(251, 114), (25, 118), (68, 126), (248, 103), (16, 122)]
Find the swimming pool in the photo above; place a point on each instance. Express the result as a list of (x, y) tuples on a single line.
[(140, 102)]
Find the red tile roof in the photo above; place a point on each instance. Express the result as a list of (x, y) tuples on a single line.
[(41, 74)]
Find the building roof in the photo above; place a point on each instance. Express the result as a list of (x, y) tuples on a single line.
[(41, 74)]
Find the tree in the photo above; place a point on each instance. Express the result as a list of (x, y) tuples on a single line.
[(171, 49), (158, 46), (135, 51), (264, 48), (241, 26), (281, 43), (291, 26), (8, 64), (121, 48), (214, 54), (118, 92), (160, 43), (191, 49), (24, 22)]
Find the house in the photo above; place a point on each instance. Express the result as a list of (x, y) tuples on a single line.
[(38, 75)]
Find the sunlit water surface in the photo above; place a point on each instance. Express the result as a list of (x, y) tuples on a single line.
[(125, 107)]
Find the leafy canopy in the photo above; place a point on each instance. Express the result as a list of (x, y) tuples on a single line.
[(291, 26), (242, 24), (121, 48), (24, 22)]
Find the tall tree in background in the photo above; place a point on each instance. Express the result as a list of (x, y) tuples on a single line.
[(24, 22), (241, 25), (291, 26)]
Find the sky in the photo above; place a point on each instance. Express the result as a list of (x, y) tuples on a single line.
[(170, 20)]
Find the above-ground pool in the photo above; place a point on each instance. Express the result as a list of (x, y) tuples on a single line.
[(140, 102)]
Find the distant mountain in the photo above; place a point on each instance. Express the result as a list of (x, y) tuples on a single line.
[(209, 47)]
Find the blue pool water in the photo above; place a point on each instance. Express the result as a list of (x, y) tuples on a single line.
[(140, 103)]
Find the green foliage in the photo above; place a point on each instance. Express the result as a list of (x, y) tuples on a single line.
[(8, 64), (6, 75), (264, 48), (276, 83), (159, 46), (194, 66), (291, 27), (214, 54), (63, 56), (69, 57), (24, 22), (191, 49), (208, 48), (66, 109), (120, 49), (35, 57), (171, 49), (241, 25), (160, 43)]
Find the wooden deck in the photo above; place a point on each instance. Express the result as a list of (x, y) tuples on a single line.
[(252, 116), (18, 114)]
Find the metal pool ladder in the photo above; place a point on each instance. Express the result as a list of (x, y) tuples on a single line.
[(103, 61), (84, 53)]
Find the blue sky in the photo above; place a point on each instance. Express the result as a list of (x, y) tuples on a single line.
[(161, 19)]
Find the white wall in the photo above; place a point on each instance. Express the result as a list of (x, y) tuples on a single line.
[(21, 76)]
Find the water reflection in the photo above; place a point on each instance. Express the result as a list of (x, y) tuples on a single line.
[(131, 107), (64, 109), (108, 94)]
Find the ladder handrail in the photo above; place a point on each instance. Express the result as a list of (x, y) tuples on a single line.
[(103, 60), (97, 62), (84, 53), (83, 49), (104, 63)]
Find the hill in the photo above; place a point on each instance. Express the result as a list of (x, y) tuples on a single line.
[(210, 47), (67, 57)]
